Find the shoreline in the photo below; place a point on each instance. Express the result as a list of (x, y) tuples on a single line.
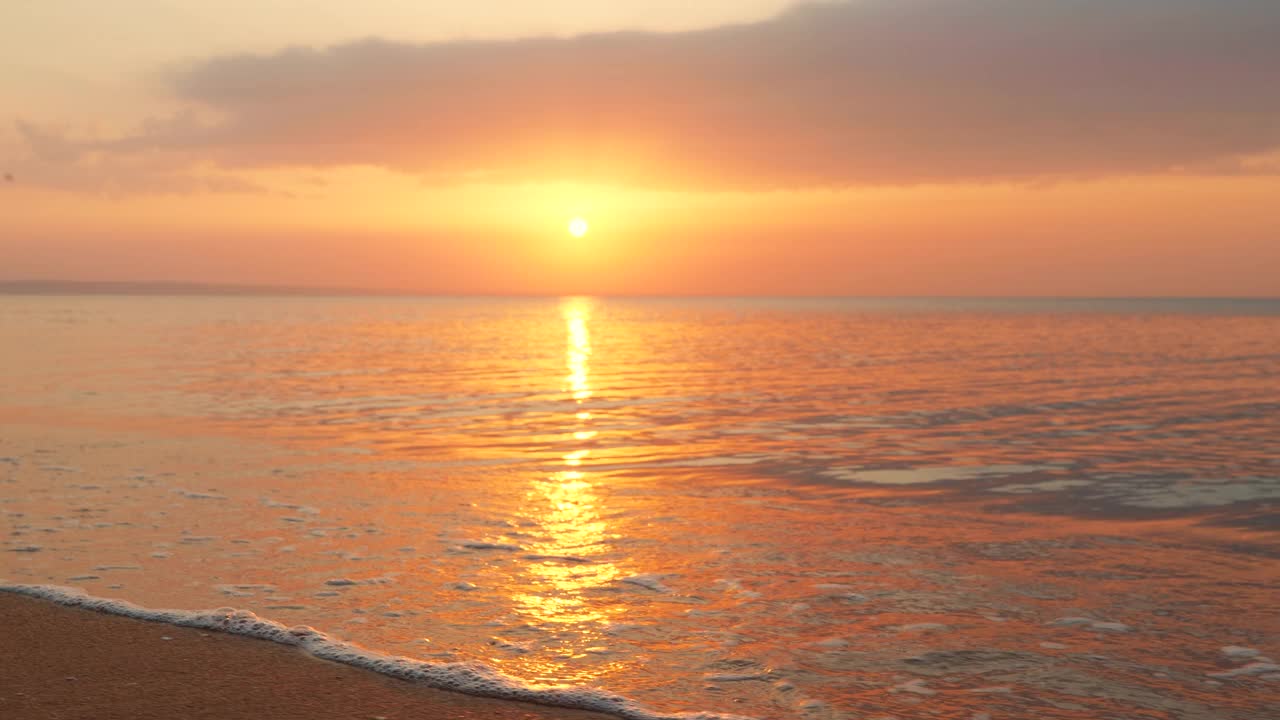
[(73, 662)]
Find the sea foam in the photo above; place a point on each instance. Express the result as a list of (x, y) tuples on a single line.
[(469, 678)]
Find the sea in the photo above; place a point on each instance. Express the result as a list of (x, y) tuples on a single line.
[(700, 507)]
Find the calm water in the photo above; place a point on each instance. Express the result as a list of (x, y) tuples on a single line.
[(826, 509)]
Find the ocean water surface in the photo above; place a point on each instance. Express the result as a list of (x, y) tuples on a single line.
[(770, 508)]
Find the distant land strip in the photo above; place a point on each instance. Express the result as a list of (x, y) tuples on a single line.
[(62, 287)]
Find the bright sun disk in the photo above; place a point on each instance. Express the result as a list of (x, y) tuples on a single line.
[(578, 227)]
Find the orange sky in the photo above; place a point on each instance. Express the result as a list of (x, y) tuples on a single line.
[(942, 147)]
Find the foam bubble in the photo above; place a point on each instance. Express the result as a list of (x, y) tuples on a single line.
[(193, 495), (1100, 625), (915, 687), (651, 581), (927, 627), (509, 646), (1254, 668), (737, 677), (470, 678), (558, 558), (346, 582), (478, 545), (305, 509), (243, 590)]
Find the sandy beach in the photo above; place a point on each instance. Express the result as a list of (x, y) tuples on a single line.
[(70, 663)]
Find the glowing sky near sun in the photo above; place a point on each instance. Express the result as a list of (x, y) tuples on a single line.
[(971, 147)]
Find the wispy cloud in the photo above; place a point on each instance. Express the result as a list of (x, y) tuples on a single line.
[(52, 157), (869, 92)]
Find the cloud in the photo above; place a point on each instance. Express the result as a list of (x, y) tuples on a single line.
[(868, 92), (51, 157)]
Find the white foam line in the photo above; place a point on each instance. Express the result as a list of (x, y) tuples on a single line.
[(468, 678)]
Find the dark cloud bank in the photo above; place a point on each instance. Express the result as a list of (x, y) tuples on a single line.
[(877, 91)]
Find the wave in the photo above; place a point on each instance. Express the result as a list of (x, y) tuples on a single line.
[(470, 678)]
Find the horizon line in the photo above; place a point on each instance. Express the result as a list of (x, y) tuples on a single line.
[(213, 289)]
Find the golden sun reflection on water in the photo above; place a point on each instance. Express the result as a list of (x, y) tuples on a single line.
[(574, 537), (576, 311)]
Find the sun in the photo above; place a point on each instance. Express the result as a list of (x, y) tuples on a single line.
[(578, 227)]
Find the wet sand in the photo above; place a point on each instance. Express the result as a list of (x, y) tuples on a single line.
[(70, 663)]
